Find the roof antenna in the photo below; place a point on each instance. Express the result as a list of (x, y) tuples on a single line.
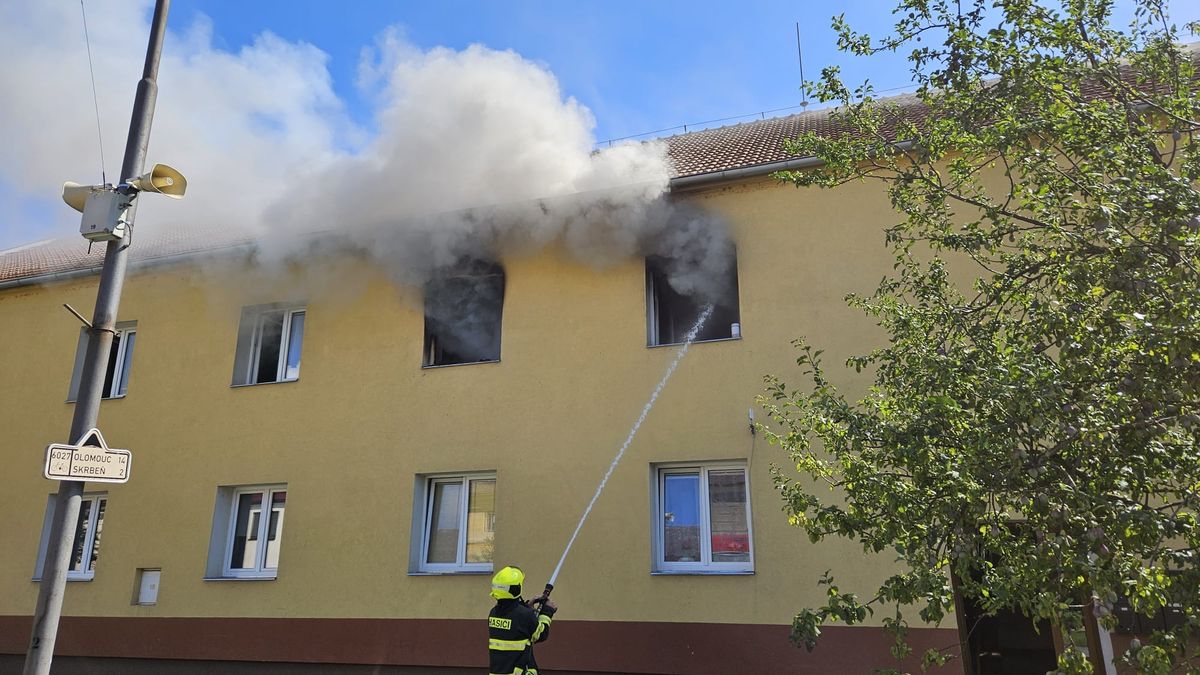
[(95, 101), (800, 57)]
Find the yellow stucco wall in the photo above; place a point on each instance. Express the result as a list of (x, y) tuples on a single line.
[(364, 418)]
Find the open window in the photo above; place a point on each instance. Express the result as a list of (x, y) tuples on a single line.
[(463, 309), (85, 548), (120, 361), (269, 342), (676, 296)]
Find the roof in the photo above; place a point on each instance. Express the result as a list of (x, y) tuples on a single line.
[(760, 142), (73, 255), (749, 144)]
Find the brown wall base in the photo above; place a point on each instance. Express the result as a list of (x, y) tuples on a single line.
[(580, 646), (86, 665)]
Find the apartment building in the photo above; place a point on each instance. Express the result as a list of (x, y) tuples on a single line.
[(326, 469)]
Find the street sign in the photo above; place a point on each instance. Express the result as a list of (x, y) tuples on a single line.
[(88, 459)]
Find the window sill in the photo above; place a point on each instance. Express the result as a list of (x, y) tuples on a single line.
[(696, 342), (72, 401), (262, 384), (245, 578), (449, 573), (455, 365), (702, 573), (70, 577)]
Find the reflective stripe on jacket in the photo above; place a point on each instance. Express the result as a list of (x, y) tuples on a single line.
[(513, 629)]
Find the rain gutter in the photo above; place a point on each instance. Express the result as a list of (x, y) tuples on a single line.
[(706, 179), (712, 178), (78, 273)]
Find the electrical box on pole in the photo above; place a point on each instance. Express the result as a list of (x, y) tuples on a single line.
[(107, 210)]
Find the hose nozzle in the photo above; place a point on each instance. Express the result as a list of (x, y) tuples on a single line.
[(541, 599)]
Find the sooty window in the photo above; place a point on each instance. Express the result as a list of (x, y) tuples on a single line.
[(676, 295), (463, 310)]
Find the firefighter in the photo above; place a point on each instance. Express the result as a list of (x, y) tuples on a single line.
[(514, 626)]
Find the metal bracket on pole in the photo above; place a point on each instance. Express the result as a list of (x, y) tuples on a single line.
[(90, 327), (78, 316)]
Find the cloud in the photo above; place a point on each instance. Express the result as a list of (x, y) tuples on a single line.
[(238, 124)]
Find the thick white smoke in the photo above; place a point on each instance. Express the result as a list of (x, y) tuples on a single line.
[(472, 153), (477, 152)]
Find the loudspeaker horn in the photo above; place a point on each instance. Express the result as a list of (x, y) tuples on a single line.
[(163, 180), (75, 195)]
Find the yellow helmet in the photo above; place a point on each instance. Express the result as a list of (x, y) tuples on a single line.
[(506, 585)]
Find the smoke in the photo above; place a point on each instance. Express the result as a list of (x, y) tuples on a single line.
[(478, 154), (463, 308), (696, 254), (471, 155)]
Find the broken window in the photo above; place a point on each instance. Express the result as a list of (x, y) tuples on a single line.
[(269, 342), (676, 295), (463, 308)]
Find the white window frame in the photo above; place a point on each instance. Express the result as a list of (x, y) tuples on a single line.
[(122, 333), (89, 541), (253, 348), (460, 565), (705, 565), (260, 570), (285, 339), (121, 363)]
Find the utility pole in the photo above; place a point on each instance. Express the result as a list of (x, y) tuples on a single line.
[(95, 363)]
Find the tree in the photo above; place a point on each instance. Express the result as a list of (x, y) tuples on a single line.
[(1033, 432)]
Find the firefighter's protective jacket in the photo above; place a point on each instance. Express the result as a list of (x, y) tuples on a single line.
[(513, 628)]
